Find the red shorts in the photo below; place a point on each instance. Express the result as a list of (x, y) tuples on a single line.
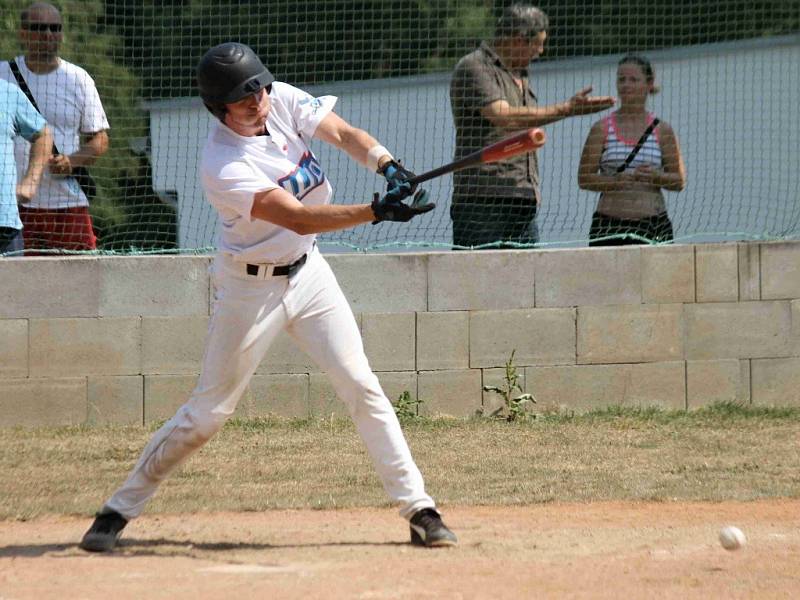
[(57, 229)]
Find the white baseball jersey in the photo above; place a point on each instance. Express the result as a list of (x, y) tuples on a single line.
[(234, 168), (68, 100)]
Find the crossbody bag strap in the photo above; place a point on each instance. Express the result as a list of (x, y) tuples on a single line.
[(638, 145), (23, 85)]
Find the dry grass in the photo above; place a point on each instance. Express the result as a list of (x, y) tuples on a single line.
[(722, 453)]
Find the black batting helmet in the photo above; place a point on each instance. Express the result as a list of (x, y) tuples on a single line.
[(228, 73)]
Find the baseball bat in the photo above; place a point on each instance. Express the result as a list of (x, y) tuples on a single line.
[(519, 143)]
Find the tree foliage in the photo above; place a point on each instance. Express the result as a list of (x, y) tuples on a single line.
[(616, 26), (325, 40)]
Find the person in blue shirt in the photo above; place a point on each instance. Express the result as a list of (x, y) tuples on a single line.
[(19, 117)]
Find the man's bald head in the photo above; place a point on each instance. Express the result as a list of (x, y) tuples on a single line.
[(39, 12), (41, 34)]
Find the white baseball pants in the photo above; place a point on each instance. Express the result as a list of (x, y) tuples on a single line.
[(248, 314)]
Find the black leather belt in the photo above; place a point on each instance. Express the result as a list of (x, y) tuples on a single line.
[(254, 270)]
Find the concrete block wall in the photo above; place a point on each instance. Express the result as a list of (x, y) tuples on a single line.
[(91, 340)]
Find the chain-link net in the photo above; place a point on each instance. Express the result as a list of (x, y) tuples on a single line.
[(431, 80)]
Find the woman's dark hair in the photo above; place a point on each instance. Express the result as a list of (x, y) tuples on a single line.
[(644, 65)]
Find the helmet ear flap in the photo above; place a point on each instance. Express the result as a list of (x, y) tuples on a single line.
[(218, 110)]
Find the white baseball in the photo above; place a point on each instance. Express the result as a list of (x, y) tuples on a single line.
[(731, 538)]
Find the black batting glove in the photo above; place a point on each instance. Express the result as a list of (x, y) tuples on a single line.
[(390, 209), (398, 184)]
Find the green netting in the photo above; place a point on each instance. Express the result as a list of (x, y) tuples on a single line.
[(729, 72)]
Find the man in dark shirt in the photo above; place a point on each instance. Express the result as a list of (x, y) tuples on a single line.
[(490, 97)]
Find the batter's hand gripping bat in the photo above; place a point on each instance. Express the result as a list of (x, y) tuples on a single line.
[(519, 143)]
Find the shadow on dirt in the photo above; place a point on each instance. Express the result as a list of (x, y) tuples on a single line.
[(164, 547)]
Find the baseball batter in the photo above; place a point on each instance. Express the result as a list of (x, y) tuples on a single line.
[(273, 197)]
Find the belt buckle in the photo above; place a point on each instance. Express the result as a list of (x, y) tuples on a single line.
[(267, 270), (262, 270)]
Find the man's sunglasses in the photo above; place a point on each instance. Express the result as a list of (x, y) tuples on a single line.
[(42, 27)]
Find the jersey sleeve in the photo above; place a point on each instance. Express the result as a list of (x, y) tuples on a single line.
[(27, 120), (94, 117), (307, 111), (233, 186)]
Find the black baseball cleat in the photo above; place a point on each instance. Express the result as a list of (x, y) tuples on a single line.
[(104, 532), (428, 530)]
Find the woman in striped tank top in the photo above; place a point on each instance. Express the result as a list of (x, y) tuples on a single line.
[(631, 206)]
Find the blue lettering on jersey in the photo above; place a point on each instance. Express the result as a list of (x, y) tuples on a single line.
[(315, 103), (306, 176)]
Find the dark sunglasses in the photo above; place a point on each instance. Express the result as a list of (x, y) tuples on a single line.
[(42, 27)]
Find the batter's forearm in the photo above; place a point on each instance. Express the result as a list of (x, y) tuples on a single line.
[(357, 143), (305, 220), (333, 217), (41, 149)]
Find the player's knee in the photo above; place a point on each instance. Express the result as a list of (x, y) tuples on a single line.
[(201, 426), (355, 384), (361, 392)]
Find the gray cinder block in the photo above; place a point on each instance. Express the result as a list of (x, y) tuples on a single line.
[(154, 285), (749, 272), (172, 345), (283, 395), (586, 276), (383, 282), (776, 381), (738, 330), (390, 340), (88, 346), (118, 400), (13, 348), (47, 402), (45, 287), (668, 274), (481, 280), (586, 387), (456, 393), (780, 270), (633, 333), (442, 340), (322, 398), (539, 336), (717, 268), (724, 380), (285, 356)]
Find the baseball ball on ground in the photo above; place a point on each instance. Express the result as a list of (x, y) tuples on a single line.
[(731, 538)]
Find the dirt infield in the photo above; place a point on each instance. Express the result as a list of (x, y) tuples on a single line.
[(601, 550)]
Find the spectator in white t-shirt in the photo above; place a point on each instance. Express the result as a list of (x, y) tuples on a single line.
[(57, 217)]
